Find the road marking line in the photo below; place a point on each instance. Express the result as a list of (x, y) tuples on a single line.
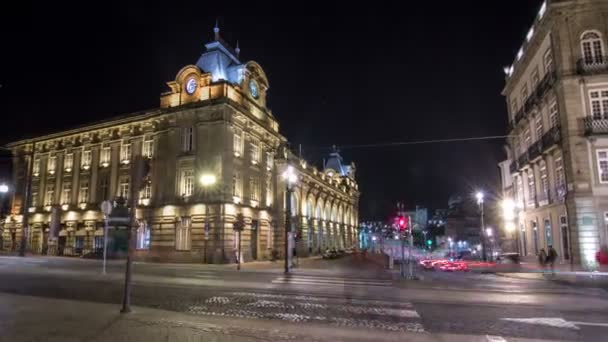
[(494, 338), (324, 299), (591, 324), (327, 284), (336, 281)]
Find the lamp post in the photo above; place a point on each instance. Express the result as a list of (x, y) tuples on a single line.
[(480, 197), (207, 181), (290, 180)]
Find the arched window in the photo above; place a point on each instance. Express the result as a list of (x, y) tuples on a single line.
[(593, 49)]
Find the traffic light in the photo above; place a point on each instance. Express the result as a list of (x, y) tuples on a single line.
[(402, 223), (429, 242)]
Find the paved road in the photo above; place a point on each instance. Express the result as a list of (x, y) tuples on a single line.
[(347, 293)]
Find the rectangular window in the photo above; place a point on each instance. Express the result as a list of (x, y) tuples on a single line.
[(524, 93), (34, 202), (553, 115), (83, 196), (85, 162), (269, 191), (98, 243), (125, 153), (238, 142), (548, 61), (538, 125), (104, 156), (52, 164), (520, 190), (269, 161), (182, 235), (36, 167), (187, 139), (527, 139), (535, 78), (68, 162), (187, 182), (544, 181), (535, 236), (560, 179), (531, 189), (79, 243), (237, 186), (147, 149), (66, 193), (50, 194), (123, 187), (254, 188), (514, 106), (548, 233), (104, 187), (255, 152), (602, 165), (143, 236), (599, 103), (146, 192)]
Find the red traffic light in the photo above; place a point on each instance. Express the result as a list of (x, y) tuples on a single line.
[(401, 222)]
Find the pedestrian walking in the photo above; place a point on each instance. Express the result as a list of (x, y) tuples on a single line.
[(551, 258), (542, 258)]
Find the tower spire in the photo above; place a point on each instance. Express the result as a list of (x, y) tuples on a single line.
[(216, 29), (238, 49)]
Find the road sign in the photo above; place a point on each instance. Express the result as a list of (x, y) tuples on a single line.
[(106, 207)]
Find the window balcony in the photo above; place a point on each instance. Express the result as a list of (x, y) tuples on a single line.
[(591, 67), (552, 137), (535, 150), (523, 160), (595, 126), (513, 167)]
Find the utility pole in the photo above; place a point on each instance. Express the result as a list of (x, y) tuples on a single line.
[(25, 225)]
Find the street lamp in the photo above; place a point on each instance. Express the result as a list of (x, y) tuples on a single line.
[(207, 180), (479, 195), (3, 188), (290, 178)]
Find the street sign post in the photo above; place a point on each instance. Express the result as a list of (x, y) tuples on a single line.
[(106, 209)]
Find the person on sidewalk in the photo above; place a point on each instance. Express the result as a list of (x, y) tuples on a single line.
[(551, 258), (542, 258)]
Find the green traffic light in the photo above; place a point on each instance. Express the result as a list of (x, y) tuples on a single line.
[(429, 242)]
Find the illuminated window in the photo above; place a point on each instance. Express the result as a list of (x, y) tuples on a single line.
[(68, 162), (535, 78), (599, 103), (237, 184), (36, 167), (104, 156), (548, 59), (146, 192), (560, 179), (148, 148), (269, 191), (182, 234), (553, 115), (125, 153), (254, 188), (531, 188), (66, 193), (524, 93), (602, 165), (538, 125), (50, 194), (187, 182), (255, 152), (269, 161), (187, 139), (85, 162), (527, 139), (34, 199), (544, 180), (52, 164), (123, 187), (83, 196), (592, 48), (238, 142)]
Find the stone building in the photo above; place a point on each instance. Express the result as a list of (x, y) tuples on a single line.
[(214, 150), (557, 166)]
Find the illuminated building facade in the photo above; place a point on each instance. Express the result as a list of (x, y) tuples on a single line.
[(557, 166), (215, 151)]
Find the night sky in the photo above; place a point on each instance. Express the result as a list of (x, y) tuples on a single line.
[(339, 74)]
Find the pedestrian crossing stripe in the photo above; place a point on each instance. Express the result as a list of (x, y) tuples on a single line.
[(332, 300)]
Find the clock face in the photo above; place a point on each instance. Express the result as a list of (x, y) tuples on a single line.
[(253, 89), (191, 86)]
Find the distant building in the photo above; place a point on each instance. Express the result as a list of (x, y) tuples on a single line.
[(557, 166), (212, 124)]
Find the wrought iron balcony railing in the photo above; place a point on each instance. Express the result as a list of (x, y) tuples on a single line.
[(594, 126), (590, 66), (535, 97), (513, 167), (536, 149), (552, 137), (523, 159)]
